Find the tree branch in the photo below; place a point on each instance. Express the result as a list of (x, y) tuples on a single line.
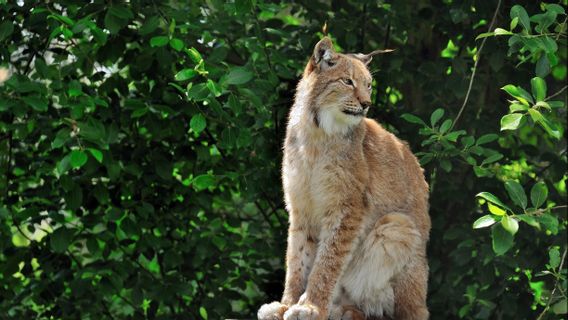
[(477, 58), (555, 286)]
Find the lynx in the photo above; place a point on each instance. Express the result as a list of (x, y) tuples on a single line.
[(357, 201)]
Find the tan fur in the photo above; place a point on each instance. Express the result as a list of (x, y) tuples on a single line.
[(357, 200)]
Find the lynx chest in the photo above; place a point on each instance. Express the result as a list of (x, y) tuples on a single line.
[(317, 179)]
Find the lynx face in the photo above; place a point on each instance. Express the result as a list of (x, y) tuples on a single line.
[(340, 88)]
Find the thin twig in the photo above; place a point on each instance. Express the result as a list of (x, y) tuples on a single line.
[(557, 93), (563, 24), (555, 286), (477, 58)]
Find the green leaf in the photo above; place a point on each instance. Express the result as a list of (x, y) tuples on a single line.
[(542, 67), (37, 103), (446, 165), (561, 307), (203, 313), (516, 193), (548, 126), (436, 116), (149, 25), (502, 32), (493, 199), (538, 86), (467, 141), (194, 55), (514, 23), (228, 137), (510, 224), (96, 154), (61, 138), (486, 138), (528, 219), (445, 126), (502, 239), (185, 74), (176, 44), (519, 93), (94, 131), (484, 222), (244, 139), (555, 104), (243, 7), (548, 44), (413, 119), (213, 88), (519, 12), (6, 29), (159, 41), (485, 35), (550, 222), (539, 193), (454, 135), (116, 18), (63, 165), (542, 104), (492, 158), (198, 123), (553, 258), (515, 107), (238, 75), (198, 92), (60, 239), (77, 159), (511, 121), (495, 209), (203, 182), (554, 8)]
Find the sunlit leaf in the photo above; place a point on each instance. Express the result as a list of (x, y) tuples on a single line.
[(493, 199), (511, 121), (484, 222), (502, 239), (510, 224)]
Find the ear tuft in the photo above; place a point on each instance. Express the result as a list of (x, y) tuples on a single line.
[(324, 53), (367, 58)]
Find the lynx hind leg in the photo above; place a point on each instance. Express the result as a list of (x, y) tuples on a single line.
[(410, 289), (346, 312), (392, 244)]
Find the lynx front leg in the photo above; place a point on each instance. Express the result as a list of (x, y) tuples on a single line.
[(300, 255), (333, 252)]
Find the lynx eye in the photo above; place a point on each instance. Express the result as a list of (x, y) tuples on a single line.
[(347, 81), (370, 86)]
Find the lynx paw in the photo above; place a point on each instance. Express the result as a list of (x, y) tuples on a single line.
[(272, 311), (303, 312)]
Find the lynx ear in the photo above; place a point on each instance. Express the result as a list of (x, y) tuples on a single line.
[(366, 58), (324, 55)]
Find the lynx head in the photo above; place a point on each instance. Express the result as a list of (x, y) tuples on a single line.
[(339, 87)]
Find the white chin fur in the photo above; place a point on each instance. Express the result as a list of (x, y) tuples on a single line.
[(336, 122)]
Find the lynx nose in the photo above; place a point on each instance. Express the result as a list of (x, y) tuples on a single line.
[(366, 105)]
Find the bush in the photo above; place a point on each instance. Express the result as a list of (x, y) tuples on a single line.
[(141, 144)]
